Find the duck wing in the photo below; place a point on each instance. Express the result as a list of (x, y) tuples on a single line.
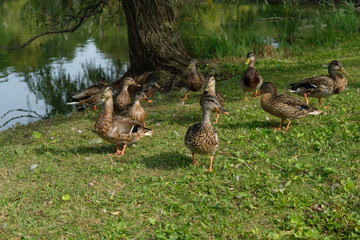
[(313, 84)]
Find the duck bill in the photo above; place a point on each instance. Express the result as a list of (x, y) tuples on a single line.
[(342, 69), (247, 61), (222, 110), (256, 93), (157, 85)]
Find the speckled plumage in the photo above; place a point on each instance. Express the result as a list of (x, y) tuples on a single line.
[(134, 110), (210, 90), (91, 96), (322, 86), (202, 138), (116, 129), (123, 98), (251, 79), (195, 80), (283, 106)]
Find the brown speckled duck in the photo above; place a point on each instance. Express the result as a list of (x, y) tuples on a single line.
[(194, 82), (322, 86), (210, 90), (123, 98), (202, 138), (283, 106), (134, 110), (116, 129), (251, 79), (91, 96)]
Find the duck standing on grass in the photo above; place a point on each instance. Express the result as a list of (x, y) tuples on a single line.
[(251, 79), (194, 82), (91, 96), (283, 106), (322, 86), (202, 138), (116, 129), (210, 90)]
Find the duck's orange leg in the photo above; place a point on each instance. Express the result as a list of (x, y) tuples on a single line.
[(94, 108), (185, 98), (280, 126), (320, 103), (306, 98), (245, 98), (118, 152), (287, 126), (193, 159), (211, 162)]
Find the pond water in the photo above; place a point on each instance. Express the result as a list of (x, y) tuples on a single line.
[(39, 79)]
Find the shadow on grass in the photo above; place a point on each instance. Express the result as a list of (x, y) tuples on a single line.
[(82, 150), (167, 160), (249, 125)]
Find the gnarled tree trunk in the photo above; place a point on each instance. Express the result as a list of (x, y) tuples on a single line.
[(155, 44)]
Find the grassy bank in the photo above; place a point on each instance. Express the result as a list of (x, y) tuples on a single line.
[(58, 181)]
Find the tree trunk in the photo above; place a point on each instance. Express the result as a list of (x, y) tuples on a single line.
[(154, 41)]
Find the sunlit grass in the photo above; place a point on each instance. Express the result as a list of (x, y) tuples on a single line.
[(266, 184)]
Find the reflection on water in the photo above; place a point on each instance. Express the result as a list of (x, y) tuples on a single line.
[(47, 89)]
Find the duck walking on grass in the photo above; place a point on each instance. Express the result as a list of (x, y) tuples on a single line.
[(202, 138), (194, 82), (283, 106), (322, 86), (116, 129), (251, 80), (91, 96), (210, 90)]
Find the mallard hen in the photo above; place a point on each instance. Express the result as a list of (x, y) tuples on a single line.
[(283, 106), (210, 90), (195, 80), (202, 138), (251, 79), (123, 98), (116, 129), (91, 96), (134, 110), (322, 86)]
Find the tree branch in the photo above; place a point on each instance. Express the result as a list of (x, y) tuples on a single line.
[(81, 17)]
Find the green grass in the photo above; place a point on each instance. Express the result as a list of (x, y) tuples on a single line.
[(265, 185)]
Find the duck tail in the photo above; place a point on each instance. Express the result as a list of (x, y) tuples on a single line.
[(315, 112), (149, 133), (72, 103)]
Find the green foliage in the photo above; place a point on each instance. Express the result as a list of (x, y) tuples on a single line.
[(302, 184), (226, 28)]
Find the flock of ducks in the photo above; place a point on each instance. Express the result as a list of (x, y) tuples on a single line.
[(122, 121)]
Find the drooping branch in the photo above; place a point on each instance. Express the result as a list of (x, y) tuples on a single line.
[(79, 19), (20, 110)]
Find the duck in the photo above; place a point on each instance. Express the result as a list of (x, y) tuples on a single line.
[(251, 79), (322, 86), (148, 88), (210, 90), (91, 96), (135, 111), (283, 106), (116, 129), (123, 97), (202, 137), (195, 80)]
